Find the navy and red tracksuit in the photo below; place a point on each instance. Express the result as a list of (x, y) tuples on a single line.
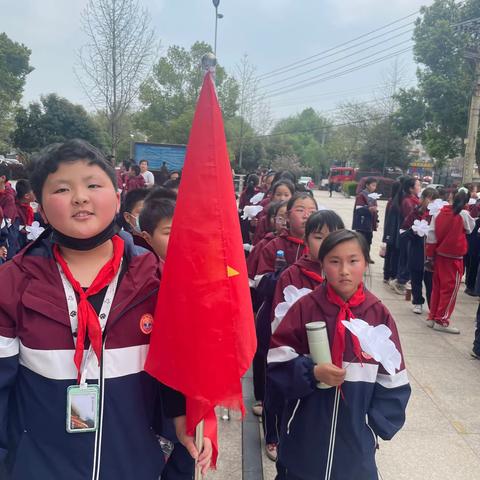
[(447, 244), (416, 257), (36, 367), (372, 404), (409, 203), (304, 273), (365, 221), (391, 234)]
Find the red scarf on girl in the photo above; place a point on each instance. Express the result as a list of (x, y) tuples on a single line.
[(311, 274), (298, 241), (88, 322), (345, 313)]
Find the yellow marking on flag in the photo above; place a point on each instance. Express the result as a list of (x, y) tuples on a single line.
[(231, 272)]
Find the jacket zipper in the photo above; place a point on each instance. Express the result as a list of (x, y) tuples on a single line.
[(101, 382), (374, 435), (293, 416)]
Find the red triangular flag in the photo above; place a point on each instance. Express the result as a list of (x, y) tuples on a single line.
[(204, 340)]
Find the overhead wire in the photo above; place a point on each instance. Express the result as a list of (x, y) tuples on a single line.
[(336, 47), (341, 58), (324, 77)]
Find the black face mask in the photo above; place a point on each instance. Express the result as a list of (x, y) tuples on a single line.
[(84, 244)]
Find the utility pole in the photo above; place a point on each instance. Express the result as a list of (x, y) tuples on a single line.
[(472, 53)]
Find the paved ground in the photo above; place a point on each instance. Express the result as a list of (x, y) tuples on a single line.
[(441, 438)]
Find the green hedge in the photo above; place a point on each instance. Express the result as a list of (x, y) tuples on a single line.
[(350, 188)]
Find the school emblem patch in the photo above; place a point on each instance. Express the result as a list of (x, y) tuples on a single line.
[(146, 323)]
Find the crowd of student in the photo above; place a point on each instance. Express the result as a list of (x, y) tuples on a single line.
[(303, 265), (431, 240)]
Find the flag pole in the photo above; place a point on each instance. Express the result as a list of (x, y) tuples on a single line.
[(199, 433)]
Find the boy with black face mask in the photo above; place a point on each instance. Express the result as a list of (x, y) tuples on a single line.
[(75, 321)]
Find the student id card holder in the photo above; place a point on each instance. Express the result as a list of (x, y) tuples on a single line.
[(83, 400), (83, 405)]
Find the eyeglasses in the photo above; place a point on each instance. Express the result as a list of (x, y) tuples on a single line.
[(281, 220)]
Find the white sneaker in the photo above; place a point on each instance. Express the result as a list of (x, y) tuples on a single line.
[(398, 288), (418, 309), (430, 323), (446, 328)]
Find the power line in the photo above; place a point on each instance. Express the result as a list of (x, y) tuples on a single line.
[(348, 48), (322, 78), (337, 46), (342, 58), (321, 129)]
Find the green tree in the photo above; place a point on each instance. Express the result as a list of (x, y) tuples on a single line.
[(384, 147), (169, 95), (241, 136), (437, 110), (55, 119), (304, 136), (14, 68)]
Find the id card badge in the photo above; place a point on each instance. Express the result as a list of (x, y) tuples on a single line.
[(82, 408)]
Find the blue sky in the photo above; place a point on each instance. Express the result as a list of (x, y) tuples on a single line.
[(273, 33)]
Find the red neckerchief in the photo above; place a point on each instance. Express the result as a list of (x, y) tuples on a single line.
[(88, 323), (345, 313), (298, 241), (311, 274), (28, 211)]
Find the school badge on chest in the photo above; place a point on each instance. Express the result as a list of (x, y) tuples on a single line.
[(146, 323)]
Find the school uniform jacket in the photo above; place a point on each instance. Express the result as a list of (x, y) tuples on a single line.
[(363, 219), (298, 276), (292, 248), (36, 367), (373, 402), (447, 234), (254, 256)]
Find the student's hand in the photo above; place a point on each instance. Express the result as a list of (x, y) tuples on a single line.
[(329, 374), (204, 458), (373, 209), (429, 265), (3, 253)]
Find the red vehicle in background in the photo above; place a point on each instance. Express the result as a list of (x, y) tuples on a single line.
[(339, 175)]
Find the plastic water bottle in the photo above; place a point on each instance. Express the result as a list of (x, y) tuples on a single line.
[(280, 261)]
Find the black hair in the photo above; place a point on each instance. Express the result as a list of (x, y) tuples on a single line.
[(395, 188), (172, 184), (128, 204), (161, 192), (132, 198), (370, 180), (284, 175), (286, 183), (142, 161), (406, 183), (317, 220), (252, 183), (431, 193), (299, 196), (23, 188), (341, 236), (460, 199), (126, 164), (274, 207), (154, 211), (4, 171), (135, 168), (50, 158)]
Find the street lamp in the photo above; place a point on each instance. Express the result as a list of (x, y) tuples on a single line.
[(217, 16)]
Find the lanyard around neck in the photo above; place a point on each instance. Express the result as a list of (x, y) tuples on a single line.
[(102, 317)]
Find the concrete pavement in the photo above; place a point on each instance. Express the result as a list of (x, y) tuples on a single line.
[(441, 437)]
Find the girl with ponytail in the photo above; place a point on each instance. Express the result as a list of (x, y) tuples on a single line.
[(446, 246)]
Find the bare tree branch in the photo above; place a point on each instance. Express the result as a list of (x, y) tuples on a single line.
[(116, 59)]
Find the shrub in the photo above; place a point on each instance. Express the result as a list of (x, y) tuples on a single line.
[(350, 188)]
